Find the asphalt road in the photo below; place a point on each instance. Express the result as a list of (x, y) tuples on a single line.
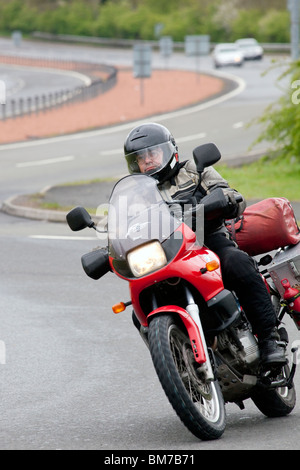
[(74, 375), (29, 82)]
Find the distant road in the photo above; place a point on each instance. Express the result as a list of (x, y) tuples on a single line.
[(28, 82), (99, 153)]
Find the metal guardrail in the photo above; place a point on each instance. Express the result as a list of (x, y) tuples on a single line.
[(102, 79), (127, 43)]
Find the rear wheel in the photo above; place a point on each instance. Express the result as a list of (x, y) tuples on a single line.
[(198, 404), (278, 402)]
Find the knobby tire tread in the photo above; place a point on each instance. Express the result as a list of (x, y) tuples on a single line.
[(173, 386)]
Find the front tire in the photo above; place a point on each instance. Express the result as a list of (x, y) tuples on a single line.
[(198, 404)]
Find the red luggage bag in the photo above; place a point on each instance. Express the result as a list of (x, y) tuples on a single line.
[(265, 226)]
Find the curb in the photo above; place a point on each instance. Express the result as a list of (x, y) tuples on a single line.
[(10, 208), (46, 215)]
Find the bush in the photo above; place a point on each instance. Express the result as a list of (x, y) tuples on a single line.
[(74, 18), (104, 24), (281, 120), (135, 19), (274, 26), (16, 15), (245, 24)]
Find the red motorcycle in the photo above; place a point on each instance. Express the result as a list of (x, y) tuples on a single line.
[(201, 344)]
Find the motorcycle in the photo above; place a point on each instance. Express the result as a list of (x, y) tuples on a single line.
[(201, 343)]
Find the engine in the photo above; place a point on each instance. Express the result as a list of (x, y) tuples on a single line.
[(239, 347), (237, 356)]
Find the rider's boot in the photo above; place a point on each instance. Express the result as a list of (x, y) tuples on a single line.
[(272, 350)]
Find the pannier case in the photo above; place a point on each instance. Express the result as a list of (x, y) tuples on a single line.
[(286, 265)]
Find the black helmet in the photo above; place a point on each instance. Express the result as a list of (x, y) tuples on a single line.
[(148, 139)]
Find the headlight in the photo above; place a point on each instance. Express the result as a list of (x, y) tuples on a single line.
[(146, 258)]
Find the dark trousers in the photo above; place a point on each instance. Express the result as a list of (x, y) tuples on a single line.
[(240, 274)]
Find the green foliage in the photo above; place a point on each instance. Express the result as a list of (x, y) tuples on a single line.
[(223, 20), (267, 177), (274, 26), (281, 120), (15, 15), (245, 24), (75, 18)]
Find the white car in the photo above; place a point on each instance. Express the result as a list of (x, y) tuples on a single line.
[(250, 48), (227, 54)]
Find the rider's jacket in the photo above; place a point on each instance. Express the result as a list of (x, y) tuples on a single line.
[(183, 184)]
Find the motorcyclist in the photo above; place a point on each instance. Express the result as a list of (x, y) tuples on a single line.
[(150, 148)]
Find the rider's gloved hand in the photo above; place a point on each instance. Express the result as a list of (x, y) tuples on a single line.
[(236, 203)]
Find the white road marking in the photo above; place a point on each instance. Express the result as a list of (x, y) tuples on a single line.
[(61, 237), (238, 125), (80, 76), (191, 137), (178, 140), (112, 152), (48, 161)]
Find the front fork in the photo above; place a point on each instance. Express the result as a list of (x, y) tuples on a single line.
[(191, 319), (193, 310)]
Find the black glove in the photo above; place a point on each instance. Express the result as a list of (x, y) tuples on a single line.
[(232, 207)]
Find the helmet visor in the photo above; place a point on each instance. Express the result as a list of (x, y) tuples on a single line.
[(150, 160)]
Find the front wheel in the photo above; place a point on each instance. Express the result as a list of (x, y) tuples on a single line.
[(198, 404)]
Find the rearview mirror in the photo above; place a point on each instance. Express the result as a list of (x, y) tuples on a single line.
[(96, 263), (206, 155), (79, 218)]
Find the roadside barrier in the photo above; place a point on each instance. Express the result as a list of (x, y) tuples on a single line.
[(102, 78)]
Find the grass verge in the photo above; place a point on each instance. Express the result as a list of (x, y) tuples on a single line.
[(267, 177)]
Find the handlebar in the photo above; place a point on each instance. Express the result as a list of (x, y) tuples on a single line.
[(216, 204)]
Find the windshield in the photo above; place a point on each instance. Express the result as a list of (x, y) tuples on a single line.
[(247, 46), (137, 214), (228, 49)]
